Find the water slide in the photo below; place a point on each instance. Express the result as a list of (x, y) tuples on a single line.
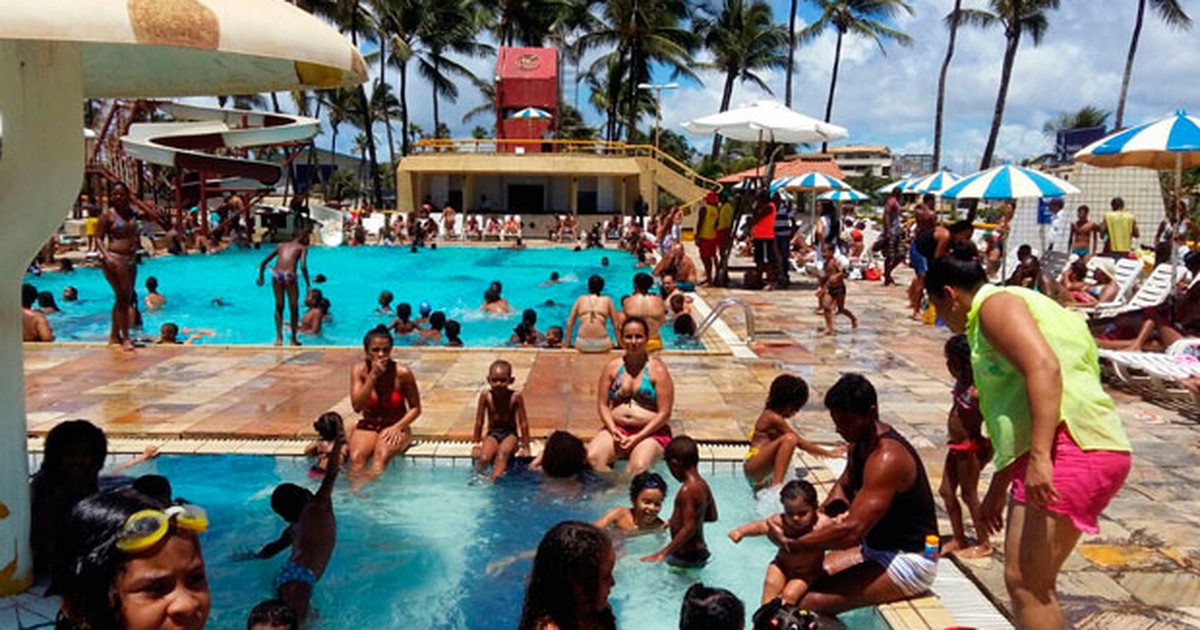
[(186, 142)]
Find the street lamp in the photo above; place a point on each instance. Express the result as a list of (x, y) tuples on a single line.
[(658, 88)]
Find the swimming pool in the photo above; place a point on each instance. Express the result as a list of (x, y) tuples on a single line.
[(414, 550), (451, 279)]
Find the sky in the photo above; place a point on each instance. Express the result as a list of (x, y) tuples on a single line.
[(889, 98)]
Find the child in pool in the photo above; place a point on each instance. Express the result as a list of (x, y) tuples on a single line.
[(328, 427), (967, 452), (432, 336), (790, 572), (773, 440), (385, 303), (453, 329), (694, 506), (507, 424), (646, 493), (401, 324)]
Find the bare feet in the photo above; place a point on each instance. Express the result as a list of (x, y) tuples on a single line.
[(827, 333), (951, 547), (279, 341), (854, 323), (296, 342), (127, 345), (973, 553)]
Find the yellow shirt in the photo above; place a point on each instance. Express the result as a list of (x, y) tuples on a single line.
[(1090, 414), (725, 222), (708, 225), (1120, 230)]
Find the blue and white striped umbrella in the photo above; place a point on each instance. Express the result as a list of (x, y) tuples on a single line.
[(844, 195), (902, 184), (812, 180), (1170, 143), (1009, 182), (531, 112), (935, 183)]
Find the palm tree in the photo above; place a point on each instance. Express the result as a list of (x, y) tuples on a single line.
[(791, 60), (641, 34), (743, 38), (448, 26), (341, 106), (526, 22), (399, 23), (1018, 17), (243, 101), (1087, 116), (385, 107), (865, 18), (952, 24), (1174, 16)]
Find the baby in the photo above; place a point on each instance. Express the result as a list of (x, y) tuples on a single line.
[(790, 572), (646, 493)]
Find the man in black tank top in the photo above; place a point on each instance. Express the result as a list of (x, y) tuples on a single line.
[(883, 508)]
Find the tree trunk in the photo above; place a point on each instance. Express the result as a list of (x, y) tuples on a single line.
[(437, 119), (633, 83), (726, 96), (1010, 54), (387, 116), (368, 129), (791, 63), (941, 89), (837, 59), (1133, 43), (405, 146)]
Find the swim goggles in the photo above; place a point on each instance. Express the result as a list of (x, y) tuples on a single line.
[(146, 528)]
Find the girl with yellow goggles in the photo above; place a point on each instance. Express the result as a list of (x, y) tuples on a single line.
[(145, 528)]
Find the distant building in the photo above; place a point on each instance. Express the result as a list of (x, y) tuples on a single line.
[(858, 159), (912, 164), (789, 168)]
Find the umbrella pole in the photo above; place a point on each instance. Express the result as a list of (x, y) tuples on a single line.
[(1173, 229)]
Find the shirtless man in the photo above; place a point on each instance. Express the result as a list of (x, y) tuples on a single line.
[(118, 245), (677, 264), (284, 281), (448, 222), (154, 300), (1084, 233), (694, 506), (34, 325), (647, 306), (926, 221), (882, 507)]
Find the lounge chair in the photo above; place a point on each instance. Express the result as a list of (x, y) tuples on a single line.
[(1157, 373), (1155, 290), (1129, 271)]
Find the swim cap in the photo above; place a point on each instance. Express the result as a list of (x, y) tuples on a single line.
[(425, 309)]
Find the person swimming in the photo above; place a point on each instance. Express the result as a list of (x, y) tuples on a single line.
[(647, 490)]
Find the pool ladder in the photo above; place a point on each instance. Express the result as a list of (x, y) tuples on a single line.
[(747, 313)]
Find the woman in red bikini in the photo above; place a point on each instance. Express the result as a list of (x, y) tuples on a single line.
[(386, 395), (635, 397)]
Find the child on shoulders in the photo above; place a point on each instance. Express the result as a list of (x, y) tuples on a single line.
[(507, 424)]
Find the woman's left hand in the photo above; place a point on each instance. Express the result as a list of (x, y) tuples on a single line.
[(1039, 482)]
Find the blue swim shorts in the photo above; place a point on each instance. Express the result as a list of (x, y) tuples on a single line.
[(919, 263), (292, 572)]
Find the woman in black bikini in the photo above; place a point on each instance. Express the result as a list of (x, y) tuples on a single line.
[(118, 245), (593, 312), (386, 395), (635, 397)]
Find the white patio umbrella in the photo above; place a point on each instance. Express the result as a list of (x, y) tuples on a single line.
[(765, 121), (1169, 143)]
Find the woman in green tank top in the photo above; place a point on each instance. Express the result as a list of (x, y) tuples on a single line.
[(1057, 437)]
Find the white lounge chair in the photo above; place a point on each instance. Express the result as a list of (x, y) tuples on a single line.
[(1129, 271), (1154, 290), (374, 225), (1159, 373)]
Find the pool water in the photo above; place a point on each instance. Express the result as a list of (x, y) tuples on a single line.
[(414, 550), (451, 279)]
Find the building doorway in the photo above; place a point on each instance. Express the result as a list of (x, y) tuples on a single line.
[(526, 198)]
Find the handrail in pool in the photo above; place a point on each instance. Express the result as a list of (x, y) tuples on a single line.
[(720, 307)]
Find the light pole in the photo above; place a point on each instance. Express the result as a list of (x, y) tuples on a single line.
[(658, 88)]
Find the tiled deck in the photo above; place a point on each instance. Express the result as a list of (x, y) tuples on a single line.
[(1142, 571)]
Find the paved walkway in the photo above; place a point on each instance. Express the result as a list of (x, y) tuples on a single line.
[(1142, 571)]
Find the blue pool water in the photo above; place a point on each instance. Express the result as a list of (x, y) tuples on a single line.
[(451, 279), (414, 550)]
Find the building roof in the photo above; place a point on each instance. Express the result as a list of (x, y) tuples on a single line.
[(791, 168), (859, 148)]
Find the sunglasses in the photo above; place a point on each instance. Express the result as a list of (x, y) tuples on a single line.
[(146, 528)]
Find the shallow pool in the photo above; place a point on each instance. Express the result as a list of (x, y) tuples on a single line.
[(451, 279), (414, 550)]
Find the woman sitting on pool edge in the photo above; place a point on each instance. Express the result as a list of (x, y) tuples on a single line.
[(386, 395), (635, 397)]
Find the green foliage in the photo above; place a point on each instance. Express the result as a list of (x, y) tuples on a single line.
[(710, 168), (1086, 116), (479, 132), (343, 185)]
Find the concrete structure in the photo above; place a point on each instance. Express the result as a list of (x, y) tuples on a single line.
[(565, 176), (859, 159), (525, 77)]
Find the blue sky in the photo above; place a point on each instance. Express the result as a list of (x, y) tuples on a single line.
[(889, 99)]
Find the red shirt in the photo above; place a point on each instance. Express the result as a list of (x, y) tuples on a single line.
[(764, 227)]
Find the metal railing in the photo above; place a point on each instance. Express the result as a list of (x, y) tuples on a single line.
[(747, 314), (591, 147)]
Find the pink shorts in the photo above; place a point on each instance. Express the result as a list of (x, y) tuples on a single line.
[(662, 436), (1085, 480)]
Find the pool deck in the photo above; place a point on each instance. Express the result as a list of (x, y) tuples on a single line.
[(1142, 571)]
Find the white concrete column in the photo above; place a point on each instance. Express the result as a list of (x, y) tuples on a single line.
[(41, 101)]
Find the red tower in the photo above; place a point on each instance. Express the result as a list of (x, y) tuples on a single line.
[(525, 78)]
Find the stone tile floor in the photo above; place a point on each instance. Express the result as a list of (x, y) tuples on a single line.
[(1141, 571)]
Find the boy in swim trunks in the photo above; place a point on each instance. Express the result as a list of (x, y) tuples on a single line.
[(968, 451), (790, 572), (694, 506), (832, 291), (773, 440), (288, 255), (311, 533), (507, 423)]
